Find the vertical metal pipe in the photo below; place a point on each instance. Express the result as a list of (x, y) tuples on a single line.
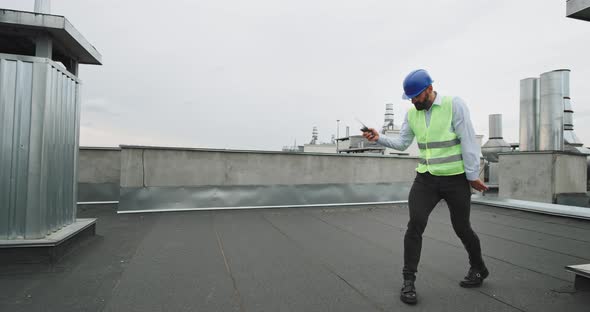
[(554, 88), (495, 126), (43, 6), (529, 114), (337, 136)]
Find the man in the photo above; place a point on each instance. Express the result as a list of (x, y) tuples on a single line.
[(448, 167)]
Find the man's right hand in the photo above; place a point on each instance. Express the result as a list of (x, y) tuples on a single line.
[(371, 135), (479, 185)]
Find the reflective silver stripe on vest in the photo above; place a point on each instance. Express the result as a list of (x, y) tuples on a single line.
[(441, 160), (439, 144)]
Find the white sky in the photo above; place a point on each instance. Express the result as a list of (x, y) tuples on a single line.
[(259, 74)]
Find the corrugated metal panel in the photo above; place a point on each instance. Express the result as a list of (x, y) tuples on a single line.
[(39, 115)]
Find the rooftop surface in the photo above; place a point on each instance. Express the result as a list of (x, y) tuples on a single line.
[(303, 259)]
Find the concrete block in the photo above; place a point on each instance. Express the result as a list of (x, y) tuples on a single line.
[(541, 176), (526, 176)]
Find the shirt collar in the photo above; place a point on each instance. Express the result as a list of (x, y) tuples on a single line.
[(437, 99)]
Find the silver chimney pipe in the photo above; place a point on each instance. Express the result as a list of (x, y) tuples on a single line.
[(495, 126), (529, 115), (493, 146), (347, 131), (554, 89), (43, 6), (496, 143)]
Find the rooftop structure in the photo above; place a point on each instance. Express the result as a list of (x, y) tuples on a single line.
[(40, 116)]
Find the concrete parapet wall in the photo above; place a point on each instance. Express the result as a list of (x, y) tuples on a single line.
[(304, 178), (99, 165), (182, 167), (99, 173)]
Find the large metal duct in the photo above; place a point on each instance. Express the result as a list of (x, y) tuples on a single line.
[(554, 89), (529, 114)]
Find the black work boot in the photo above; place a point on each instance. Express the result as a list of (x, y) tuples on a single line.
[(474, 277), (408, 293)]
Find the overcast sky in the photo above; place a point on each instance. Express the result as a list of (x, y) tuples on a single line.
[(259, 74)]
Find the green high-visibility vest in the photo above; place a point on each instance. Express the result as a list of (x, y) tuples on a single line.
[(440, 148)]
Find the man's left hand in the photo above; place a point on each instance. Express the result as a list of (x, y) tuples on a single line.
[(479, 185)]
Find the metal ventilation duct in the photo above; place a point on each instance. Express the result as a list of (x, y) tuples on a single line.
[(571, 140), (490, 150), (496, 144), (529, 114), (43, 6), (495, 126), (554, 89)]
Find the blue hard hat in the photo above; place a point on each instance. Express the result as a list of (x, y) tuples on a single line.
[(415, 83)]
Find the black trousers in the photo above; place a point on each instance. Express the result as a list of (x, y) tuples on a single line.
[(426, 192)]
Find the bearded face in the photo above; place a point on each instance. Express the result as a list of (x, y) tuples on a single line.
[(423, 100)]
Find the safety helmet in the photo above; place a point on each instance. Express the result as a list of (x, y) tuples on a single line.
[(415, 83)]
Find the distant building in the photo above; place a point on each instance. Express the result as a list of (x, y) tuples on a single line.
[(358, 144), (293, 148), (320, 148), (315, 146)]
